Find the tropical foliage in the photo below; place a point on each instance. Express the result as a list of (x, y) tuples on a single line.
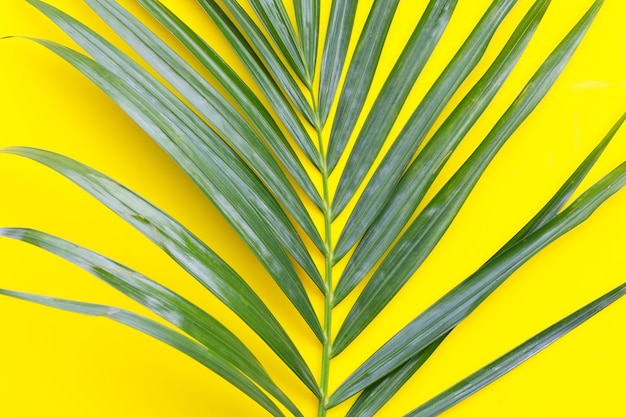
[(307, 163)]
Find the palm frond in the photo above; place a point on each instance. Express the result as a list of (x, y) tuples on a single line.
[(209, 161), (375, 396), (162, 333), (251, 106), (371, 137), (226, 121), (186, 249), (270, 84), (510, 360), (412, 186), (265, 144), (359, 79), (308, 21), (274, 17), (422, 235), (264, 52), (220, 341), (457, 304), (340, 23)]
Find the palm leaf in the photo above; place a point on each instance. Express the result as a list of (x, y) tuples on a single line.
[(377, 394), (370, 139), (412, 186), (423, 234), (161, 301), (274, 18), (457, 304), (228, 79), (271, 86), (340, 25), (208, 163), (162, 333), (494, 370), (308, 21), (264, 52), (210, 104), (261, 144), (186, 249), (374, 397), (359, 78), (393, 94)]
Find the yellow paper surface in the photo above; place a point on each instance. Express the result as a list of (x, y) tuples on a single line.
[(59, 364)]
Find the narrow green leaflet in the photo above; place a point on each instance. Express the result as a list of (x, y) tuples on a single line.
[(264, 80), (145, 88), (241, 94), (261, 141), (338, 34), (421, 173), (264, 50), (375, 396), (151, 92), (185, 248), (457, 304), (380, 187), (422, 235), (165, 334), (225, 119), (515, 357), (218, 172), (308, 21), (359, 77), (158, 299), (389, 101), (556, 203), (275, 20)]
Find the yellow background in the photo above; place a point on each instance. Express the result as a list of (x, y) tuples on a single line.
[(60, 364)]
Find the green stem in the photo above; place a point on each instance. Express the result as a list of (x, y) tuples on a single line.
[(328, 302), (328, 274)]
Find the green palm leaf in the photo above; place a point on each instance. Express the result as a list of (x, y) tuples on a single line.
[(494, 370), (377, 394), (359, 78), (274, 17), (264, 52), (113, 60), (239, 92), (271, 86), (457, 304), (395, 91), (213, 165), (374, 397), (162, 333), (261, 144), (422, 172), (308, 21), (423, 234), (340, 25), (210, 104), (186, 249), (161, 301), (380, 120)]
